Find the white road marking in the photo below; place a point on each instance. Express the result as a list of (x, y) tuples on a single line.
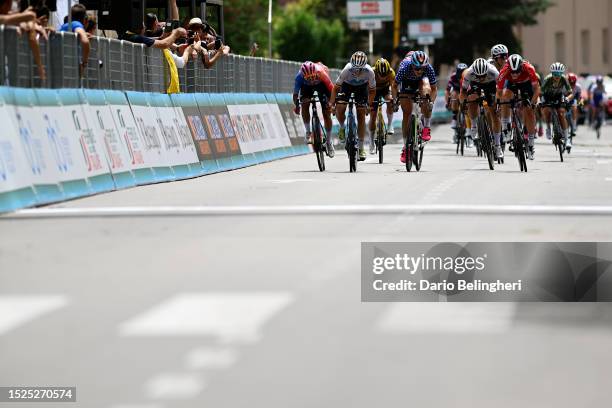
[(174, 386), (17, 310), (211, 358), (414, 209), (448, 318), (603, 161), (608, 178), (226, 315)]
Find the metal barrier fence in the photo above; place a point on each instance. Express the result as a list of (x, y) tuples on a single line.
[(121, 65)]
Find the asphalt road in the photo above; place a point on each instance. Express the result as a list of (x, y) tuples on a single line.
[(168, 304)]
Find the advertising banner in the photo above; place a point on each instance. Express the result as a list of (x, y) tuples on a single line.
[(146, 119), (178, 149), (141, 162), (188, 105), (293, 123), (96, 166), (15, 177), (100, 118)]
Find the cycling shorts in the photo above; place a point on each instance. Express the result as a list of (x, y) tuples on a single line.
[(489, 89), (410, 87), (307, 91), (525, 89), (360, 91)]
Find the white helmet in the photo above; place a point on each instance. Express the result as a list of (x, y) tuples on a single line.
[(516, 62), (480, 67), (359, 59), (557, 68), (499, 49)]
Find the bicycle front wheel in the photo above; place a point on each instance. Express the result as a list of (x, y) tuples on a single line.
[(318, 142)]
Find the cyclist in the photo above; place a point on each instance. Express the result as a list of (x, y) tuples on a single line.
[(519, 77), (451, 94), (314, 77), (597, 93), (416, 75), (357, 77), (385, 80), (499, 56), (576, 100), (555, 89), (481, 78)]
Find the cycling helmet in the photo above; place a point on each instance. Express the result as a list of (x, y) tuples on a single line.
[(572, 78), (382, 66), (309, 70), (599, 79), (516, 63), (480, 67), (409, 54), (420, 59), (359, 59), (499, 50), (557, 69), (460, 68)]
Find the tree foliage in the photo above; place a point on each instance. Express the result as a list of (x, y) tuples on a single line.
[(302, 33), (245, 23)]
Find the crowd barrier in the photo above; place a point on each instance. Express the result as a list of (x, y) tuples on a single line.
[(58, 144), (124, 66)]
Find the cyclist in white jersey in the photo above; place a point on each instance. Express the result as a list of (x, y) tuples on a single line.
[(356, 78)]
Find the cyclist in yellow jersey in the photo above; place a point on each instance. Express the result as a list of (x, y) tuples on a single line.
[(385, 81)]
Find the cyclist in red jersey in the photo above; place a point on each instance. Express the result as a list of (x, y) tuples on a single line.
[(519, 77)]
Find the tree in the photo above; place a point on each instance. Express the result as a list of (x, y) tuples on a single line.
[(246, 21), (302, 33)]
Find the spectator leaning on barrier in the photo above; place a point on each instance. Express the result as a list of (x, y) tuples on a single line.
[(207, 43), (78, 14), (26, 21)]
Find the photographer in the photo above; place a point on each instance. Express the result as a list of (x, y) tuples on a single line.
[(206, 42)]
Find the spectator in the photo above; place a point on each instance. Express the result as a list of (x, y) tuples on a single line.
[(166, 40), (78, 14), (26, 21), (207, 43), (254, 49), (153, 28)]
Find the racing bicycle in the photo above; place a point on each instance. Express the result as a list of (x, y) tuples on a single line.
[(318, 132), (414, 143)]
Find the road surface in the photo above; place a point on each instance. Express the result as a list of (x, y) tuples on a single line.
[(169, 296)]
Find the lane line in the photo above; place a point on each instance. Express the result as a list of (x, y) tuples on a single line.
[(228, 316), (17, 310), (174, 386), (205, 358), (253, 210)]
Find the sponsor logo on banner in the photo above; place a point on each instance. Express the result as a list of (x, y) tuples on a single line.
[(221, 130), (198, 132), (14, 171), (177, 149), (254, 128), (293, 124), (128, 132)]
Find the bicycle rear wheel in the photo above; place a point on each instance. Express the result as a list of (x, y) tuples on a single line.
[(485, 138), (318, 142), (351, 147)]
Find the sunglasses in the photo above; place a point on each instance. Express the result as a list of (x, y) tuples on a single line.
[(557, 74)]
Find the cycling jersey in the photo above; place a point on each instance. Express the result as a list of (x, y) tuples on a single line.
[(406, 73), (469, 78), (577, 92), (383, 83), (357, 76), (321, 78), (552, 89), (527, 75), (454, 83), (597, 94)]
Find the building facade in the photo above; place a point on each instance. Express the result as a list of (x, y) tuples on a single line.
[(575, 32)]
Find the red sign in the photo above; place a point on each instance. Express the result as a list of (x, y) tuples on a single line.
[(370, 7), (425, 27)]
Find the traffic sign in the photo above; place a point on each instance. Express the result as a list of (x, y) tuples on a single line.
[(370, 24), (358, 10), (427, 40), (425, 28)]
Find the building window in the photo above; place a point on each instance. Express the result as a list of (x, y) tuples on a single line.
[(560, 46), (585, 47), (605, 42)]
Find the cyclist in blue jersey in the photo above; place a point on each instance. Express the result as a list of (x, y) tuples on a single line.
[(416, 76), (597, 94), (356, 78)]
